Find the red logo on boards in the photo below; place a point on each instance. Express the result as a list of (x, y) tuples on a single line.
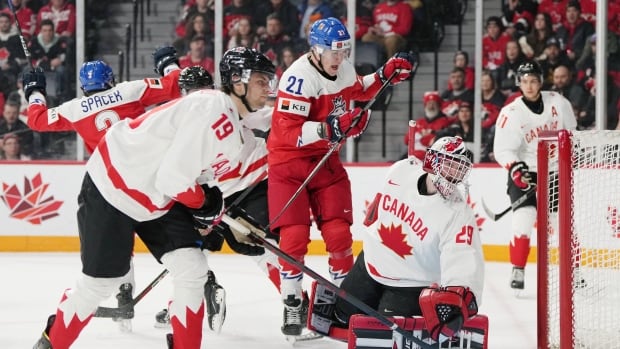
[(32, 205)]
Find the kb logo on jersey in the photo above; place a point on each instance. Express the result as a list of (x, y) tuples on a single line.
[(294, 107)]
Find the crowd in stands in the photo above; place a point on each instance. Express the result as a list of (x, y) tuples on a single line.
[(559, 34), (48, 29)]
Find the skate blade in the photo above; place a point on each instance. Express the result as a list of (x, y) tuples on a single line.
[(303, 337), (124, 325), (216, 323)]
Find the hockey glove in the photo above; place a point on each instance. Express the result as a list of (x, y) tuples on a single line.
[(34, 81), (163, 57), (403, 62), (520, 176), (212, 210), (350, 124), (240, 243), (445, 309)]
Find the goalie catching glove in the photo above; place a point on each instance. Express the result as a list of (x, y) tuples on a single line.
[(403, 63), (520, 176), (445, 309), (350, 124), (212, 210)]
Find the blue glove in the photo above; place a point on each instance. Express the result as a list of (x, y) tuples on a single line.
[(34, 81), (163, 57)]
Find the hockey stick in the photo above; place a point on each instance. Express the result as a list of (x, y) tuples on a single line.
[(21, 36), (401, 336), (496, 216), (332, 148), (126, 311)]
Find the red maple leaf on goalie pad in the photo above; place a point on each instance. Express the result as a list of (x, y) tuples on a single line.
[(31, 206), (394, 238)]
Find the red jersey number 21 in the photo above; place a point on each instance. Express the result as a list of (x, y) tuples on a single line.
[(223, 127), (465, 235)]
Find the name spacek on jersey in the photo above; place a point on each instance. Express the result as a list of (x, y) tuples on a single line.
[(518, 128), (420, 239), (91, 116), (142, 165)]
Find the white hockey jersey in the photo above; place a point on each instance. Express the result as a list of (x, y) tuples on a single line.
[(417, 239), (142, 165), (517, 128)]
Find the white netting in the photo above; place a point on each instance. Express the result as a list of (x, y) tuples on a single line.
[(595, 242)]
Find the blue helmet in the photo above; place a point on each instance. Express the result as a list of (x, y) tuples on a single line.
[(96, 76), (329, 33)]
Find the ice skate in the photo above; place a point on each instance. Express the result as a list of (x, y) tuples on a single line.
[(162, 319), (44, 341), (215, 296), (292, 317), (125, 297), (517, 281)]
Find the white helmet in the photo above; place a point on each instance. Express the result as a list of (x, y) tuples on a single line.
[(449, 162)]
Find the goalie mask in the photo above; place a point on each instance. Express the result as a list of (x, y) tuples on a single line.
[(449, 162)]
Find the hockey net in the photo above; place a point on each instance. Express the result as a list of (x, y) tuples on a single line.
[(578, 230)]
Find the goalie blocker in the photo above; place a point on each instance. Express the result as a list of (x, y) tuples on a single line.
[(369, 333)]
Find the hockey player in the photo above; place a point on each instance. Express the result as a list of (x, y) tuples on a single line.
[(436, 257), (138, 179), (103, 104), (516, 145), (312, 110)]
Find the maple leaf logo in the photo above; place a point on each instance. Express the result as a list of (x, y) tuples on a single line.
[(32, 206), (479, 219), (393, 238)]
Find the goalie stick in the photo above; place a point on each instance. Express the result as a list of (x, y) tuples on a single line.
[(496, 216), (332, 148), (401, 337)]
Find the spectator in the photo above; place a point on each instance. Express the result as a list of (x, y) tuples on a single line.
[(464, 125), (244, 35), (555, 57), (286, 58), (274, 38), (11, 148), (453, 98), (518, 16), (494, 44), (363, 15), (233, 13), (49, 51), (10, 123), (25, 16), (432, 121), (11, 51), (197, 55), (556, 9), (311, 11), (461, 60), (574, 31), (392, 23), (196, 25), (204, 7), (564, 84), (286, 11), (533, 44), (62, 14), (492, 100), (505, 75)]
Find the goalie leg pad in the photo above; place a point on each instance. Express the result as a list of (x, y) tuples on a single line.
[(445, 309)]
